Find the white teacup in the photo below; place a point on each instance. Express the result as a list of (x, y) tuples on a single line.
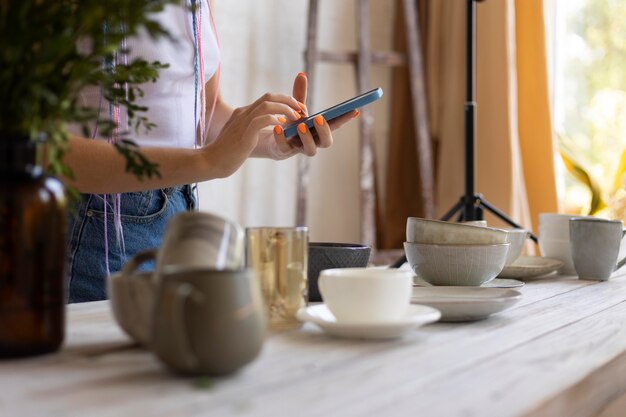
[(366, 295)]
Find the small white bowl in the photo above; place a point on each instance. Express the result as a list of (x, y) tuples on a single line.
[(456, 265), (517, 239)]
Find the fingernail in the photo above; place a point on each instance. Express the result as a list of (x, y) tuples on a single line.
[(302, 128), (357, 114), (319, 120), (296, 114), (302, 106), (282, 119), (302, 74), (278, 130)]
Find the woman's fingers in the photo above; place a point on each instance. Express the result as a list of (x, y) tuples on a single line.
[(269, 107), (324, 135), (294, 105), (300, 86), (281, 140), (309, 148), (261, 122)]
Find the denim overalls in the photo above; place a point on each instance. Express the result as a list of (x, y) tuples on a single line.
[(144, 216)]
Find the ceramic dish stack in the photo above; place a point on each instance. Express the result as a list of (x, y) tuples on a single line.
[(455, 254), (456, 261)]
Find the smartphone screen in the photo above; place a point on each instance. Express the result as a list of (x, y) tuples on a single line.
[(336, 111)]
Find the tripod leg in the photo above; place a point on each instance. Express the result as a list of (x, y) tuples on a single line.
[(458, 206), (484, 203), (397, 264)]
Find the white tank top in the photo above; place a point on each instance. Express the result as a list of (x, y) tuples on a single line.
[(171, 99)]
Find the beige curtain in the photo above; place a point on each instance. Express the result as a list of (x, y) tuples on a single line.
[(514, 163)]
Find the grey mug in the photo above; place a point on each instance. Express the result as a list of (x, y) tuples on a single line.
[(595, 245)]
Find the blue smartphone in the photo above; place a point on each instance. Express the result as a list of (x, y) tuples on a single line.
[(336, 111)]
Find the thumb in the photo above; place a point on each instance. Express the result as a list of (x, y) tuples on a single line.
[(300, 86)]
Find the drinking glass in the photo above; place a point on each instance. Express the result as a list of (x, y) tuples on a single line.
[(279, 255)]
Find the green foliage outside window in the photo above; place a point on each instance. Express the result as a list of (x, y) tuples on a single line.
[(591, 103)]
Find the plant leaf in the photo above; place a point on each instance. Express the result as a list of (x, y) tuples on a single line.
[(578, 172), (618, 181)]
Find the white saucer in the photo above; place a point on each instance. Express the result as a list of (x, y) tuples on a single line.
[(465, 303), (415, 316), (494, 283), (530, 266)]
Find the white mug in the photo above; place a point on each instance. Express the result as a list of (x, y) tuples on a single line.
[(366, 295), (554, 241)]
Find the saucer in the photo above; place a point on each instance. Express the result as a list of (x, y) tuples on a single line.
[(465, 303), (416, 316), (530, 266), (494, 283)]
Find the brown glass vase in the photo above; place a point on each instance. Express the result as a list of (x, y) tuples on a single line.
[(32, 252)]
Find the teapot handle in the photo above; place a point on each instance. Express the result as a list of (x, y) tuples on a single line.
[(136, 261), (176, 346)]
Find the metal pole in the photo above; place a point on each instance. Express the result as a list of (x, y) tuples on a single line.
[(470, 212)]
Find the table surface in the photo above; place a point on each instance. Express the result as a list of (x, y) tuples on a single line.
[(561, 351)]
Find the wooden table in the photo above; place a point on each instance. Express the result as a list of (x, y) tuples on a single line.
[(560, 352)]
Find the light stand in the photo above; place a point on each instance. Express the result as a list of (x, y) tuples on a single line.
[(471, 204)]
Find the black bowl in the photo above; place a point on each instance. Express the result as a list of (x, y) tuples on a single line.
[(333, 255)]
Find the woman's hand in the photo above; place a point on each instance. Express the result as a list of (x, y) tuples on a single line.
[(241, 132), (275, 145)]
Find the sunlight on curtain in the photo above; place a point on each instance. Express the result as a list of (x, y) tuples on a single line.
[(535, 124)]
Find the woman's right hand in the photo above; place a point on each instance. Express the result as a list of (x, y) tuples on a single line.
[(240, 135)]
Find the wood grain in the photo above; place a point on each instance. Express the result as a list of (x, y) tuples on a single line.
[(560, 352)]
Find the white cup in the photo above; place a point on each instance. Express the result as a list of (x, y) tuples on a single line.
[(554, 241), (558, 249), (366, 295), (554, 226)]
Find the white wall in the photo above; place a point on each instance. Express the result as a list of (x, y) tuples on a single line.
[(262, 50)]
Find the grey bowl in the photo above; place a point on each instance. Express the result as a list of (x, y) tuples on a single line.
[(324, 255), (456, 265)]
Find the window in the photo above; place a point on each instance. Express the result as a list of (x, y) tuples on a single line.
[(588, 68)]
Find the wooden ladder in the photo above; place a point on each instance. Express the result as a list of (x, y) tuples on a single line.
[(362, 59)]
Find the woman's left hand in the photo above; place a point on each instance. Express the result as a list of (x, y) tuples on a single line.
[(307, 141)]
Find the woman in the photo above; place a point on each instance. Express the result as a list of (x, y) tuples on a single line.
[(198, 138)]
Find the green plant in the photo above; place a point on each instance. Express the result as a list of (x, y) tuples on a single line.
[(611, 197), (51, 49)]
